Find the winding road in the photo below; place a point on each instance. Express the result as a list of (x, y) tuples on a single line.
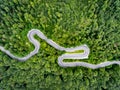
[(83, 55)]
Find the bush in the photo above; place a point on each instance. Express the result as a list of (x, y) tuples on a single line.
[(69, 23)]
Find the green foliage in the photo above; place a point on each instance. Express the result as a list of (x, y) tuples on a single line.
[(69, 23)]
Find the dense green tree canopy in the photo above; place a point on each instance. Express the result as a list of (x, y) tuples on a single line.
[(69, 23)]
